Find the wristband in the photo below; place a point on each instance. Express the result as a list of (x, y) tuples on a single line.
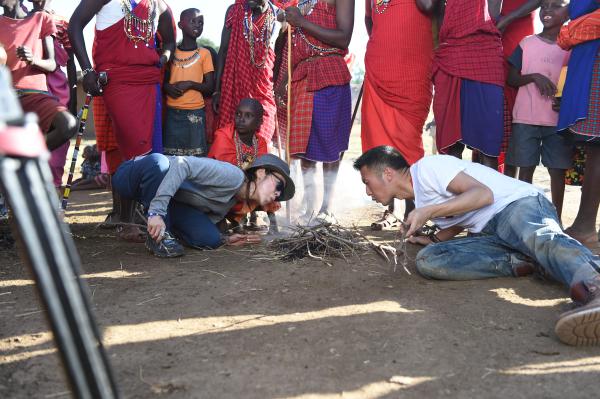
[(150, 214), (86, 71)]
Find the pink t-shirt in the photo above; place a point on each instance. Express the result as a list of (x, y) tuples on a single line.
[(539, 56), (27, 32)]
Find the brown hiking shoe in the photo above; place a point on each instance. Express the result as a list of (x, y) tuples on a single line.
[(581, 326)]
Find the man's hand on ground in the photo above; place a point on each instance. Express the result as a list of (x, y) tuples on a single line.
[(238, 240), (156, 227), (419, 240)]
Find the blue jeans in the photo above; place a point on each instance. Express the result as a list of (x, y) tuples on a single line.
[(140, 179), (528, 226)]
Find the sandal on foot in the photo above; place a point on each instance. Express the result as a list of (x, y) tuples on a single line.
[(131, 234), (387, 222)]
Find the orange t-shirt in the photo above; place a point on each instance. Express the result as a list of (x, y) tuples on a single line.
[(189, 65), (28, 32)]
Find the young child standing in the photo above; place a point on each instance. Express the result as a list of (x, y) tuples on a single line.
[(188, 79), (535, 68), (29, 45)]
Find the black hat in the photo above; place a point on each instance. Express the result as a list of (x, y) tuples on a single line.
[(272, 163)]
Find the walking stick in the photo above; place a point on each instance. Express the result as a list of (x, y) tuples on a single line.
[(102, 80), (360, 94), (288, 208)]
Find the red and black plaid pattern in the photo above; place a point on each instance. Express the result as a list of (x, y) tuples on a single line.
[(240, 78), (590, 126), (470, 45), (105, 135), (321, 69)]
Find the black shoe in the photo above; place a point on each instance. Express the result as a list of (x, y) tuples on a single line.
[(168, 247)]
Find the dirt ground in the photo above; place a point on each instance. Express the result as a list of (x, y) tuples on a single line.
[(219, 324)]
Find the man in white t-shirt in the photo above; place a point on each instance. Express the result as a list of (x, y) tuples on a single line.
[(516, 229)]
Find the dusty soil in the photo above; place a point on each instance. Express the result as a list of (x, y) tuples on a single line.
[(218, 324)]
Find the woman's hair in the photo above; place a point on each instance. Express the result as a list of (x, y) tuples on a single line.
[(379, 158)]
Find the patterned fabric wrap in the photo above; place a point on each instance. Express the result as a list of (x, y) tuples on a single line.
[(590, 126), (330, 130), (470, 45), (240, 78), (313, 70), (321, 69), (398, 87), (133, 88), (576, 93), (105, 134), (581, 30)]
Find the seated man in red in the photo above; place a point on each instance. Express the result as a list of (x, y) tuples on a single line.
[(239, 144), (29, 47)]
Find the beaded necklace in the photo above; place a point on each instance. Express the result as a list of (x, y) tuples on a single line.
[(188, 61), (306, 7), (264, 36), (244, 160), (381, 6), (136, 28)]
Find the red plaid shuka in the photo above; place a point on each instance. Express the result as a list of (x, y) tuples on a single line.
[(240, 78), (470, 45), (313, 70)]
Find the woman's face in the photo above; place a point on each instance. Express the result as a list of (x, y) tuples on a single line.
[(269, 186)]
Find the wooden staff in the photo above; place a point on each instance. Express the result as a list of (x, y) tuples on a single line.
[(288, 157), (102, 80)]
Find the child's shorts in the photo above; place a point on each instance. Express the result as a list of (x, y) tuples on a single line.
[(184, 132), (529, 142)]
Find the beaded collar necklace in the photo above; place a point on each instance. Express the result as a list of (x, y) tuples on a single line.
[(381, 6), (136, 28), (263, 37), (188, 61), (244, 160), (306, 8)]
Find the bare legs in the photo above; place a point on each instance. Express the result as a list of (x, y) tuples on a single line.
[(584, 226), (330, 173), (64, 126), (457, 149)]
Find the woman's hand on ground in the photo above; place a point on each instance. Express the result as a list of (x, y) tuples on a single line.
[(156, 227), (238, 240)]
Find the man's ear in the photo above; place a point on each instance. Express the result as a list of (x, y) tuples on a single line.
[(179, 25), (388, 174)]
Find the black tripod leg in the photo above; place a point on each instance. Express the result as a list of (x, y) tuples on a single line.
[(48, 249)]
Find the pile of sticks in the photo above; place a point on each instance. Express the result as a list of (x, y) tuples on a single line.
[(326, 241)]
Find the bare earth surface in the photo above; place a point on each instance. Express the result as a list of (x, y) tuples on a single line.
[(220, 324)]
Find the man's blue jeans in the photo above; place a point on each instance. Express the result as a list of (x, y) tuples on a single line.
[(528, 226), (140, 179)]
